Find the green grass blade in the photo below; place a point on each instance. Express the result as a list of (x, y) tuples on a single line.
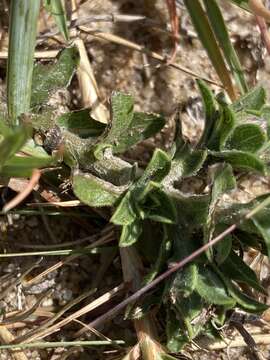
[(219, 27), (56, 344), (207, 37), (57, 9), (22, 37)]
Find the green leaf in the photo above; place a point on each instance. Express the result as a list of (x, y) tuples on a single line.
[(247, 137), (125, 214), (223, 182), (142, 126), (186, 162), (191, 207), (211, 288), (57, 9), (80, 123), (49, 78), (176, 337), (236, 269), (19, 166), (130, 234), (207, 37), (94, 191), (184, 282), (241, 3), (241, 160), (262, 221), (12, 143), (122, 114), (164, 250), (156, 170), (189, 309), (129, 127), (210, 110), (158, 206), (32, 149), (222, 129), (253, 100), (22, 41), (218, 25), (223, 248), (246, 302)]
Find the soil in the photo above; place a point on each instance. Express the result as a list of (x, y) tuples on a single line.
[(156, 87)]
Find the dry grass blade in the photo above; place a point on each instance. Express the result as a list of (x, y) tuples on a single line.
[(121, 41), (25, 314), (46, 54), (55, 317), (64, 204), (6, 338), (104, 239), (86, 309), (89, 87), (59, 344), (258, 8)]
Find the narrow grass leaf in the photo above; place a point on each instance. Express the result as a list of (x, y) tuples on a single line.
[(22, 38), (58, 11), (219, 27), (20, 166), (60, 344), (207, 37)]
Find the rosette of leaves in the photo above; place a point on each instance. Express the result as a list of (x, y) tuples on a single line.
[(166, 225)]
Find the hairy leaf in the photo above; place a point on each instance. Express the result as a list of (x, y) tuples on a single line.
[(184, 282), (253, 100), (49, 78), (247, 137), (80, 123), (211, 288), (246, 302), (241, 160), (125, 214), (130, 233), (236, 269), (94, 191), (210, 110), (222, 129)]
